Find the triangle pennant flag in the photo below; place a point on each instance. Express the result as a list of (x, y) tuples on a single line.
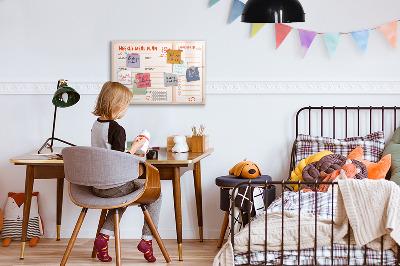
[(361, 37), (281, 31), (237, 9), (306, 39), (332, 41), (389, 30), (256, 27), (213, 2)]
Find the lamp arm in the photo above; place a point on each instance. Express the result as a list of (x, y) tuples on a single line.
[(54, 126)]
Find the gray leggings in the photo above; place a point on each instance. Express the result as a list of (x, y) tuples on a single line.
[(154, 208)]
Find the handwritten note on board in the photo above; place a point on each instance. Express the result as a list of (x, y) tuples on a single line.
[(144, 80), (174, 56), (133, 60), (125, 77), (192, 75), (138, 91), (179, 69), (170, 80)]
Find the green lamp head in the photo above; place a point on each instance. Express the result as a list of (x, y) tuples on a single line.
[(65, 96)]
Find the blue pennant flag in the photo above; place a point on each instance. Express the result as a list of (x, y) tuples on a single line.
[(237, 9), (213, 2), (361, 37), (332, 41)]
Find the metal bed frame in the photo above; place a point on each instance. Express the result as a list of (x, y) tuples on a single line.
[(283, 184)]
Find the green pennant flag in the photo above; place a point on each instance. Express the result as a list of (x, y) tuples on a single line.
[(256, 27), (213, 2)]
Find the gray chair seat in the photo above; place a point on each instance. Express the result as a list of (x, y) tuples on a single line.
[(83, 196)]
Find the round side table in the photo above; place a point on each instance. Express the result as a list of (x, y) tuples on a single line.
[(226, 183)]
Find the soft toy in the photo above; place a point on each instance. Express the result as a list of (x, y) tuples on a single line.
[(348, 170), (375, 170), (13, 215), (296, 174), (245, 169), (180, 144), (328, 164)]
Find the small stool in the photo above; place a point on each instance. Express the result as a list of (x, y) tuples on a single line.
[(226, 183)]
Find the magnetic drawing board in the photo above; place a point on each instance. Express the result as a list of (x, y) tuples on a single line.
[(160, 72)]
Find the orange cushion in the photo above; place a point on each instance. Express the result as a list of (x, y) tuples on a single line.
[(375, 170)]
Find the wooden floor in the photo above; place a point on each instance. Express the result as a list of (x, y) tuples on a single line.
[(50, 252)]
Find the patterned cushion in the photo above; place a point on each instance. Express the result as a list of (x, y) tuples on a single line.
[(372, 144)]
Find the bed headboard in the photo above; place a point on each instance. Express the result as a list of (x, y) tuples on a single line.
[(344, 121)]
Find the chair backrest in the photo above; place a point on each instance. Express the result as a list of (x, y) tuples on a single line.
[(91, 166)]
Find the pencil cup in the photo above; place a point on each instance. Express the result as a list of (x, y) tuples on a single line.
[(200, 143)]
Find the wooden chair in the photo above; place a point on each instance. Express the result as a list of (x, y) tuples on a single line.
[(85, 167)]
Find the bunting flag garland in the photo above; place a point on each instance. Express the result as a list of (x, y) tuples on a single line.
[(332, 41), (213, 2), (237, 9), (281, 31), (389, 30), (361, 37), (256, 27), (306, 39)]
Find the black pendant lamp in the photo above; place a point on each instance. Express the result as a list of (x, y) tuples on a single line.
[(273, 11)]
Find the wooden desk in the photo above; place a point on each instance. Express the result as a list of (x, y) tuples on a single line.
[(171, 167)]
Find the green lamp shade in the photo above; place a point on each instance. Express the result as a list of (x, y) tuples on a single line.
[(65, 96)]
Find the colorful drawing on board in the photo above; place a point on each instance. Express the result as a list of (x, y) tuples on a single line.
[(144, 80), (136, 90), (192, 74), (179, 69), (170, 80), (125, 77), (174, 56), (133, 60)]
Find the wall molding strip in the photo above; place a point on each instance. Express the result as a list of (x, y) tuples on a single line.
[(231, 87)]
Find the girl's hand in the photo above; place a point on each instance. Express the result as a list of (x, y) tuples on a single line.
[(137, 144), (143, 155)]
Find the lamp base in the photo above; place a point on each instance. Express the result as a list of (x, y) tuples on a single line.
[(50, 146)]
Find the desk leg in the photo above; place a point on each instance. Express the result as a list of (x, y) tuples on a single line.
[(176, 182), (197, 189), (60, 190), (27, 206)]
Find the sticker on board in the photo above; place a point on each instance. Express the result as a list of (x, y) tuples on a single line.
[(170, 80), (125, 77), (179, 69), (174, 56), (192, 74), (136, 90), (133, 60), (143, 80)]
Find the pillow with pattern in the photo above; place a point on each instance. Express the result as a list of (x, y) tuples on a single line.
[(372, 145)]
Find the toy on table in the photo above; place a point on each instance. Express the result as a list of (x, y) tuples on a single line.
[(180, 144), (245, 169), (144, 134), (13, 215)]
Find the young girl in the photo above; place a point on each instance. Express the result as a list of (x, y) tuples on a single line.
[(112, 104)]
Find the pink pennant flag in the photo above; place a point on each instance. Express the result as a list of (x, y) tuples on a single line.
[(389, 30), (306, 39), (281, 31)]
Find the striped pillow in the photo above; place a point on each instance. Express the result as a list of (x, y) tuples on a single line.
[(13, 228), (372, 145)]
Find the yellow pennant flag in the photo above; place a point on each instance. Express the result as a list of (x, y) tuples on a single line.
[(256, 27)]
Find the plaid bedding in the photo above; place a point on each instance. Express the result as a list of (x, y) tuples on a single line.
[(322, 207), (372, 145)]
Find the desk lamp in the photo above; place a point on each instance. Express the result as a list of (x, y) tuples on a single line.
[(272, 11), (64, 96)]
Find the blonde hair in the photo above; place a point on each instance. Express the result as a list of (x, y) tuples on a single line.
[(112, 99)]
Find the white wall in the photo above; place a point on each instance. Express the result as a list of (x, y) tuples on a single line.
[(42, 41)]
